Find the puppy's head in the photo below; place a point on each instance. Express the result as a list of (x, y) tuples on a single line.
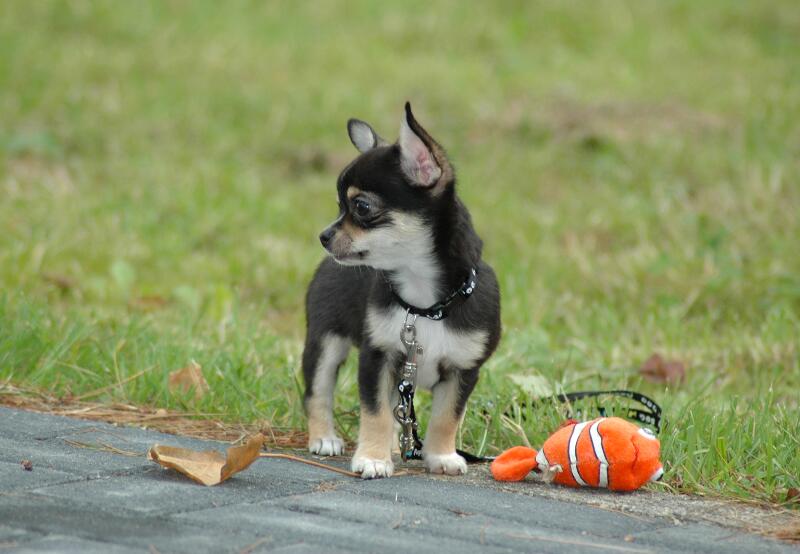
[(388, 197)]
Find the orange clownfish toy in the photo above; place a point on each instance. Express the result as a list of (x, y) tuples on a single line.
[(607, 452)]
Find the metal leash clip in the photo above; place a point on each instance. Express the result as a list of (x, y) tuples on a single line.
[(404, 411)]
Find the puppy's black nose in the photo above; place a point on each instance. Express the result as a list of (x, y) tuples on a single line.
[(326, 236)]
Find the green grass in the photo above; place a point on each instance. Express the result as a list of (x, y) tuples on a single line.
[(633, 168)]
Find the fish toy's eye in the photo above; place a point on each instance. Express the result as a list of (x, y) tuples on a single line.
[(647, 433)]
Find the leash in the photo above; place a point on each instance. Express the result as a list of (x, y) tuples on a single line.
[(411, 444)]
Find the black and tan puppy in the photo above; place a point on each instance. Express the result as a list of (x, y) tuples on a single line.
[(402, 237)]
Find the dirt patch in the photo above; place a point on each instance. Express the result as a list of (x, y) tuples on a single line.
[(196, 425)]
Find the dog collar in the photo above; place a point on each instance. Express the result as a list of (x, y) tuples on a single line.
[(440, 309)]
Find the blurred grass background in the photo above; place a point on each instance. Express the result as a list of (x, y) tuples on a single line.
[(165, 168)]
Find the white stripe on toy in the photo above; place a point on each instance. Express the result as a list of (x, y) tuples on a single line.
[(597, 445), (573, 455)]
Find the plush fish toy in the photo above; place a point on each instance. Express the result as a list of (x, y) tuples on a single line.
[(607, 452)]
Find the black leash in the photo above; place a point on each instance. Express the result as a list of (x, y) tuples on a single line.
[(651, 416), (413, 451), (411, 444), (409, 450)]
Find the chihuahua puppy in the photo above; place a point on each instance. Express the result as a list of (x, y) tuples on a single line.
[(403, 243)]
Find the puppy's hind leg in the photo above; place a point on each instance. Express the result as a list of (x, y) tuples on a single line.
[(322, 358)]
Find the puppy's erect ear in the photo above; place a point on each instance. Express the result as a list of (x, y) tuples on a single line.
[(422, 159), (363, 136)]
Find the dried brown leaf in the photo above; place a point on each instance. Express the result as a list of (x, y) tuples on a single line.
[(203, 467), (793, 495), (208, 467), (187, 379), (659, 370), (62, 282), (240, 457)]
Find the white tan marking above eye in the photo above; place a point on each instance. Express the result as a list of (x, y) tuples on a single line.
[(441, 345)]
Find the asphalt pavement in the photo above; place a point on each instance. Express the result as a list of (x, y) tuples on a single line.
[(76, 498)]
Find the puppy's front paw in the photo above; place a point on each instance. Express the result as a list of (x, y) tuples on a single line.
[(450, 464), (370, 468), (326, 446)]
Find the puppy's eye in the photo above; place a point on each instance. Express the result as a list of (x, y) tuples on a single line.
[(361, 207)]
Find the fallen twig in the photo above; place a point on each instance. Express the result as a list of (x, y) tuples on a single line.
[(104, 447), (309, 462), (401, 473)]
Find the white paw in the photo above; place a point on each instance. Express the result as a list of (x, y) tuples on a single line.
[(451, 464), (326, 446), (370, 468)]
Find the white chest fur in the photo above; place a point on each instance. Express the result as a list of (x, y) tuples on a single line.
[(441, 345)]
